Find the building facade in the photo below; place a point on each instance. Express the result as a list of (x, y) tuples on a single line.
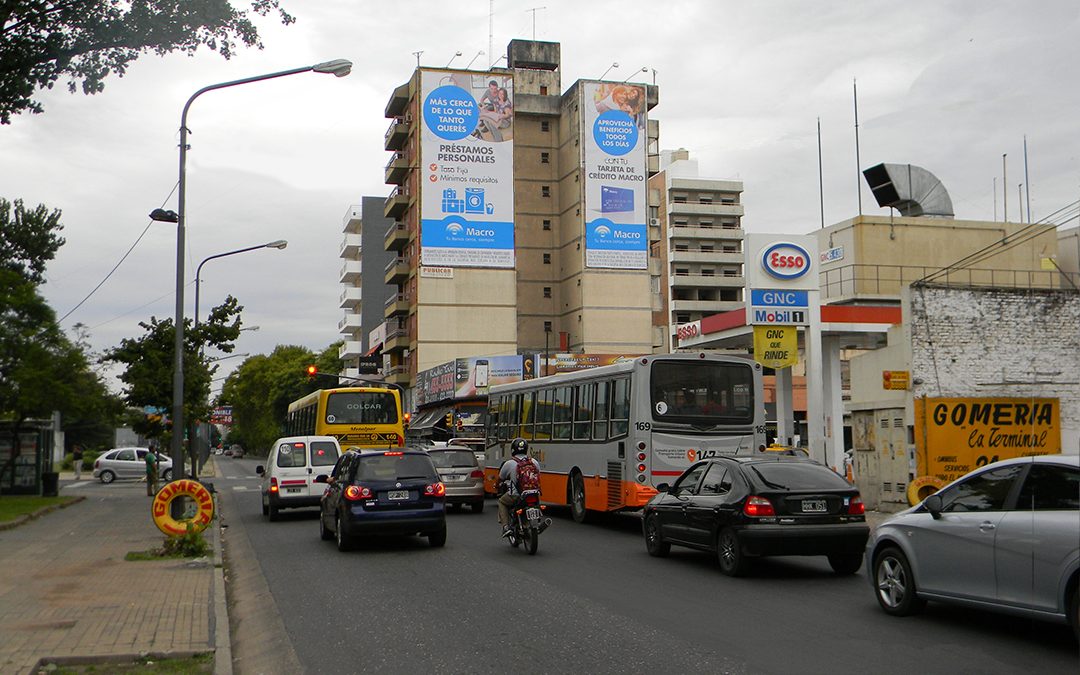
[(364, 292)]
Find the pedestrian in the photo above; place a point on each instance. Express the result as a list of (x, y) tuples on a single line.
[(151, 473), (77, 459)]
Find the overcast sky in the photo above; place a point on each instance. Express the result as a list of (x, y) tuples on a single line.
[(949, 85)]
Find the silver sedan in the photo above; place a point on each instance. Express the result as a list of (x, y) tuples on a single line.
[(1005, 537)]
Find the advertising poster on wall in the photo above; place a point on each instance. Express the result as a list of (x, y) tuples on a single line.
[(476, 374), (614, 141), (467, 160), (569, 363)]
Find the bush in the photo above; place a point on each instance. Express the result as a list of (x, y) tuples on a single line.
[(188, 545)]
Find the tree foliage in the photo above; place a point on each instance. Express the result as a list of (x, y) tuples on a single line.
[(86, 41), (262, 388), (148, 363), (30, 239)]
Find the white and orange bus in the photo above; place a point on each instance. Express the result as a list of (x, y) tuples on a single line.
[(607, 436)]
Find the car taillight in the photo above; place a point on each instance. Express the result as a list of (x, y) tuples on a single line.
[(392, 454), (476, 474), (435, 490), (641, 457), (273, 485), (856, 507), (758, 506), (357, 492)]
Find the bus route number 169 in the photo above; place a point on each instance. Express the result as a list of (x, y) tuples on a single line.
[(642, 426)]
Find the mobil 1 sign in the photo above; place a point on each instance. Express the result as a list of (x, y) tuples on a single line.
[(774, 306), (781, 279)]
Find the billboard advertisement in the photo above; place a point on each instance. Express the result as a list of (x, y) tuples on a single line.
[(476, 374), (569, 363), (467, 165), (614, 139)]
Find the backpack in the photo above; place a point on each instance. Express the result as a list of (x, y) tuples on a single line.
[(528, 476)]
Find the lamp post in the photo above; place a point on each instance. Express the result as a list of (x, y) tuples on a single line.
[(339, 68), (478, 55), (610, 68)]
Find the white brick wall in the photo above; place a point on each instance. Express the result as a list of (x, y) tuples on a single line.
[(999, 342)]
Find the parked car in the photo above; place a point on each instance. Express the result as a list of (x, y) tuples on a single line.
[(763, 505), (288, 479), (459, 470), (376, 492), (1005, 537), (126, 463)]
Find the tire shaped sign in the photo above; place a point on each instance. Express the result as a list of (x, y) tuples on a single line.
[(161, 507)]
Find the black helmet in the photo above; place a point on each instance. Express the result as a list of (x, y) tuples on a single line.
[(519, 446)]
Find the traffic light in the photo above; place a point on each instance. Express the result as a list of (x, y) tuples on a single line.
[(312, 371), (450, 420), (407, 417)]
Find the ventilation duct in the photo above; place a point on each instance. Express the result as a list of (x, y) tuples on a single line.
[(910, 189)]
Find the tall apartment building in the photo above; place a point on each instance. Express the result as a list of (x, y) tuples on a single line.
[(520, 233), (699, 245), (364, 291)]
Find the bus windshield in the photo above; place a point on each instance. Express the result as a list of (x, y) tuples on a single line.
[(361, 407), (702, 393)]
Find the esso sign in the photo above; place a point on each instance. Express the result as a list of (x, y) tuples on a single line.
[(687, 331), (785, 260)]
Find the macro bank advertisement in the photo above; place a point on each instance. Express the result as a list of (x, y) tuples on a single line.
[(467, 159), (616, 235)]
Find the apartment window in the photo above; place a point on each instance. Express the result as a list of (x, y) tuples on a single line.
[(706, 248), (731, 273), (727, 200), (682, 318), (545, 191), (547, 224), (705, 223), (705, 199), (547, 326), (731, 248), (545, 126), (543, 92), (547, 291), (707, 272), (678, 199), (547, 258), (682, 247), (545, 158), (682, 271), (681, 222)]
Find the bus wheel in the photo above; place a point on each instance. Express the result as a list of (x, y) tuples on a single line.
[(576, 497)]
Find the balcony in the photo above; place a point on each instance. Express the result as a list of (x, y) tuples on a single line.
[(349, 324), (395, 136), (705, 208), (398, 375), (397, 237), (707, 232), (714, 257), (396, 304), (399, 100), (351, 272), (397, 271), (350, 298), (396, 169), (350, 246), (397, 339), (350, 349), (396, 203), (706, 281), (704, 306)]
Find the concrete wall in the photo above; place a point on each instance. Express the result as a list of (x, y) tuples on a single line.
[(472, 314)]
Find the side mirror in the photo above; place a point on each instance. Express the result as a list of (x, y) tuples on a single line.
[(933, 505), (321, 478), (259, 470), (663, 487)]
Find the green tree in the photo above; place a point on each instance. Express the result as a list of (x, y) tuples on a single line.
[(86, 41), (30, 238), (148, 363)]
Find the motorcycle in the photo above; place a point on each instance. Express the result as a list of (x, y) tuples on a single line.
[(527, 521)]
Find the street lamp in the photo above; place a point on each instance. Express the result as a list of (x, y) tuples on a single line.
[(478, 55), (279, 244), (610, 68), (338, 68), (644, 69), (456, 54)]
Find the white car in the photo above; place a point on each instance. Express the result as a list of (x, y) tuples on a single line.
[(288, 479), (121, 463)]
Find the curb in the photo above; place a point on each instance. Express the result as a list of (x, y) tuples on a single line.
[(222, 635), (22, 520)]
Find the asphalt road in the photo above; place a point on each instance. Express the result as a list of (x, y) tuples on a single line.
[(591, 600)]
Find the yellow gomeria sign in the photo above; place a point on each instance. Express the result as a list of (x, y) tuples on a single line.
[(956, 435), (204, 502), (776, 346)]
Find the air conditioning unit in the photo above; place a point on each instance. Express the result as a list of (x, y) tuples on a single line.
[(654, 222)]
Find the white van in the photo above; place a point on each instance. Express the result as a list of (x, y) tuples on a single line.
[(288, 479)]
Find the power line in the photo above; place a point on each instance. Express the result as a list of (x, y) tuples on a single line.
[(118, 263)]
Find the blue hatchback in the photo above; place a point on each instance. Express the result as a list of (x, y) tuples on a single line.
[(376, 492)]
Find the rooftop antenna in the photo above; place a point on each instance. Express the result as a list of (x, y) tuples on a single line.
[(858, 162), (417, 55), (491, 30), (533, 10), (1027, 181), (821, 185), (1004, 189), (995, 199), (1020, 199)]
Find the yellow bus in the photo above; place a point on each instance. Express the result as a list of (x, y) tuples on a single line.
[(605, 437), (364, 417)]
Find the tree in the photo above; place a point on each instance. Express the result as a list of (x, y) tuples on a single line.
[(88, 40), (148, 362), (30, 239)]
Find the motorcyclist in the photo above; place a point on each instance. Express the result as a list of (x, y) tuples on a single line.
[(509, 488)]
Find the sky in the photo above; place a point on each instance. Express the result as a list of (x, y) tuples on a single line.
[(949, 85)]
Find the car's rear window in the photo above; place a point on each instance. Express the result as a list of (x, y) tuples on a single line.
[(447, 459), (796, 476), (394, 467), (291, 454), (323, 453)]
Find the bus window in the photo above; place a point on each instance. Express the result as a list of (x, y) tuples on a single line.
[(562, 413), (542, 431), (361, 407), (600, 412), (495, 428), (620, 407), (706, 393), (529, 410), (513, 415), (583, 412)]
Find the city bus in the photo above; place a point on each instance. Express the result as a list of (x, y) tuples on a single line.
[(605, 437), (363, 417)]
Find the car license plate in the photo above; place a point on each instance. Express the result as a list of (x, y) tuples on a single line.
[(814, 506), (454, 479), (532, 514), (397, 494), (292, 490)]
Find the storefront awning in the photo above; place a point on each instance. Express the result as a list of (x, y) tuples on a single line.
[(429, 418)]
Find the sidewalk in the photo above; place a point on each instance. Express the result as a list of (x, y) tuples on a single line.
[(68, 595)]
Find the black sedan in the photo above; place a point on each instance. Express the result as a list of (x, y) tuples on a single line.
[(763, 505), (377, 492)]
